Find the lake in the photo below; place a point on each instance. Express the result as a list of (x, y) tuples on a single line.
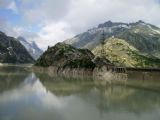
[(25, 95)]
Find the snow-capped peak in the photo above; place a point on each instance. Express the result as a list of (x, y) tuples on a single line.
[(31, 47)]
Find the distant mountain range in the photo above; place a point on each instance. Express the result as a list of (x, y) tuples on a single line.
[(128, 44), (123, 44), (32, 48), (12, 51)]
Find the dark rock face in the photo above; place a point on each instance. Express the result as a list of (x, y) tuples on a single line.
[(12, 51), (100, 62), (66, 56)]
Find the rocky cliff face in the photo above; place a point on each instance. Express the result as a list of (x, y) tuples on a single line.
[(32, 48), (65, 56), (12, 51)]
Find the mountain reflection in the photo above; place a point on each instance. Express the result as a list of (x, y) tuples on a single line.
[(40, 98)]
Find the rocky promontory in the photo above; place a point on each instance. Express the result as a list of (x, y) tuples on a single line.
[(68, 60), (63, 55)]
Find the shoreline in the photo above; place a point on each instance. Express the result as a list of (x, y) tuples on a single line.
[(60, 71), (96, 72), (79, 70), (16, 65), (144, 69)]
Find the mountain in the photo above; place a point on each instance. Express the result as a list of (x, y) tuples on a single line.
[(65, 56), (121, 53), (32, 48), (12, 51), (142, 37)]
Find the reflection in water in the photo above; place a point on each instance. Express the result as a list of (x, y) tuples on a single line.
[(11, 76), (35, 98)]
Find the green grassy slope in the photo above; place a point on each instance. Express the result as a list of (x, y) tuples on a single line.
[(121, 53)]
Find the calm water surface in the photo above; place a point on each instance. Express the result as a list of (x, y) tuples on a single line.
[(25, 95)]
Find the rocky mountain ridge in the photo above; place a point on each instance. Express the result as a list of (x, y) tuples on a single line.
[(143, 36), (12, 51)]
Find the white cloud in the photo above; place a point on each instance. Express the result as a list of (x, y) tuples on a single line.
[(12, 6), (51, 33), (4, 3), (54, 10), (88, 13), (66, 18), (8, 4), (9, 29)]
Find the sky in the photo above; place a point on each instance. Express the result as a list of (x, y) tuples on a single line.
[(50, 21)]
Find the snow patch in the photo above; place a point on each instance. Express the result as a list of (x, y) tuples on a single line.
[(122, 26), (157, 31)]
